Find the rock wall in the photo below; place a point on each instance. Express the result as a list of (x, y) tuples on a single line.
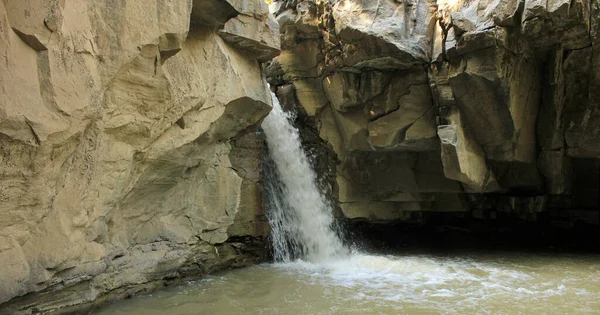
[(130, 148), (477, 108)]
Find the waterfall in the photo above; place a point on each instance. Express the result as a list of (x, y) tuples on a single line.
[(300, 215)]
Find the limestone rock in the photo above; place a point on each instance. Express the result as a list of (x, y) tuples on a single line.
[(377, 35), (341, 88), (216, 13), (259, 38), (246, 24), (496, 92), (463, 158), (246, 159), (353, 130), (328, 131), (301, 62), (125, 153), (405, 125), (503, 93), (34, 24), (310, 94)]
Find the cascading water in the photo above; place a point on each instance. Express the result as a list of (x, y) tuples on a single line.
[(301, 218)]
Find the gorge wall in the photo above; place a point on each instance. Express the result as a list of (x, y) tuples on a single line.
[(131, 148), (130, 152), (465, 109)]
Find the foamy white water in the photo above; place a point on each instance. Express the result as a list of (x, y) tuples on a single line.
[(301, 217), (470, 283)]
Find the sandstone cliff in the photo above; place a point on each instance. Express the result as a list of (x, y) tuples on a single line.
[(130, 155), (479, 107)]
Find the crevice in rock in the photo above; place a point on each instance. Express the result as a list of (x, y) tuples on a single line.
[(35, 135)]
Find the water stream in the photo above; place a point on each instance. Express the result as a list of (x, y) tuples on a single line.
[(300, 215), (314, 273)]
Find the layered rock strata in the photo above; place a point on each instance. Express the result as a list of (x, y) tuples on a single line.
[(130, 148), (479, 108)]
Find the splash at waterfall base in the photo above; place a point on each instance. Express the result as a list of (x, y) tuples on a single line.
[(404, 283)]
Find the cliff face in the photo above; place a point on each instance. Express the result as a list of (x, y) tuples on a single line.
[(475, 107), (130, 155)]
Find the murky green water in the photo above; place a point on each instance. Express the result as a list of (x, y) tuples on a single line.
[(478, 283)]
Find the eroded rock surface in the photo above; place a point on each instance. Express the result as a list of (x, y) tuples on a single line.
[(130, 149), (449, 106)]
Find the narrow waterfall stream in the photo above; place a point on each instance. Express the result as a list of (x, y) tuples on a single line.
[(314, 273), (300, 215)]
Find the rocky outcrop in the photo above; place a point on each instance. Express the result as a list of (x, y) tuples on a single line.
[(130, 151), (479, 108)]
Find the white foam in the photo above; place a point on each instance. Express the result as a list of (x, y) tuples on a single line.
[(438, 282), (371, 284)]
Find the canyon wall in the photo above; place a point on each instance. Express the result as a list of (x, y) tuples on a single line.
[(131, 154), (475, 108)]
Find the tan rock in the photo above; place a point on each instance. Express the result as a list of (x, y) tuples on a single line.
[(329, 131), (116, 137), (341, 89), (498, 93), (15, 268), (310, 95), (34, 24), (462, 156), (373, 34), (259, 38), (300, 62), (414, 111), (353, 129), (246, 159)]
